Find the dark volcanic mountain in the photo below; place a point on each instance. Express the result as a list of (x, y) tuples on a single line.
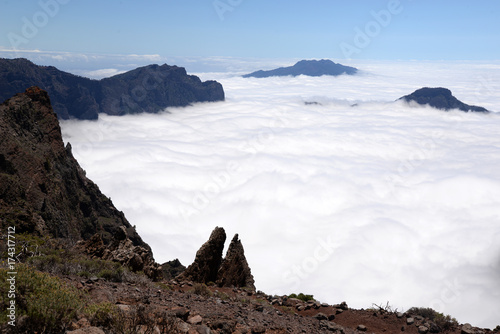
[(440, 98), (145, 89), (313, 68), (44, 191)]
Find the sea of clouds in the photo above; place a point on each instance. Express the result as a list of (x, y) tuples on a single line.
[(335, 189)]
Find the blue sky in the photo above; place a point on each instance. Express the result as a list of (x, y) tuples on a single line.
[(404, 29)]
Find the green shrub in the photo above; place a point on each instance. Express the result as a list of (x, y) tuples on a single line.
[(445, 322), (201, 290), (113, 275), (302, 297), (137, 319), (106, 315), (48, 304)]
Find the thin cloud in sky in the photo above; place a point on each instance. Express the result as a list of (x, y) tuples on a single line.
[(355, 197)]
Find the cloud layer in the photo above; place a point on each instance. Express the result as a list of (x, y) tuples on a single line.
[(369, 203)]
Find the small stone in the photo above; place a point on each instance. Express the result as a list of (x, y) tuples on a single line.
[(410, 321), (338, 311), (258, 330), (468, 329), (324, 305), (423, 330), (88, 330), (362, 328), (202, 329), (400, 315), (181, 313), (334, 327), (433, 328), (320, 316), (124, 308), (331, 317), (195, 320)]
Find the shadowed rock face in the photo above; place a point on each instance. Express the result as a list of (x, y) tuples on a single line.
[(146, 89), (208, 266), (208, 258), (234, 270), (440, 98), (312, 68), (43, 189)]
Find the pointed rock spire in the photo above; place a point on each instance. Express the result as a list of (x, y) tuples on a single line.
[(234, 270), (208, 265), (208, 258)]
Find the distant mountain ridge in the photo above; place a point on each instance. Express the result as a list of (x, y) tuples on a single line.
[(145, 89), (440, 98), (312, 68)]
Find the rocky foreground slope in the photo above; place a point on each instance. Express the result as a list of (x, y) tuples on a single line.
[(44, 191), (146, 89)]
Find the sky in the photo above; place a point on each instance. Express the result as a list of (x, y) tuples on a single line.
[(357, 198), (363, 29)]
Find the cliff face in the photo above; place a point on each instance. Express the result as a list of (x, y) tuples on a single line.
[(43, 190), (153, 88), (145, 89)]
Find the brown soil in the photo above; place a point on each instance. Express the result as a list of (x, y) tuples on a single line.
[(228, 310)]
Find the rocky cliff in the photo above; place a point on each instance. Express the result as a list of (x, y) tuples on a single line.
[(312, 68), (440, 98), (44, 191), (145, 89)]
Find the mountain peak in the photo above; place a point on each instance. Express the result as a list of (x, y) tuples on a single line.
[(149, 88), (306, 67), (440, 98)]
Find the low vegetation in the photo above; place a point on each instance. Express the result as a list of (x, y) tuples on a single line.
[(302, 297), (445, 322), (136, 319), (44, 304)]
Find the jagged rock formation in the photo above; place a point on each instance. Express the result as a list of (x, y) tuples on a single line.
[(145, 89), (312, 68), (234, 270), (208, 258), (122, 250), (209, 266), (172, 269), (440, 98), (43, 189)]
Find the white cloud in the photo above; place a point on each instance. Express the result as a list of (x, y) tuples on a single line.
[(372, 203), (99, 74)]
